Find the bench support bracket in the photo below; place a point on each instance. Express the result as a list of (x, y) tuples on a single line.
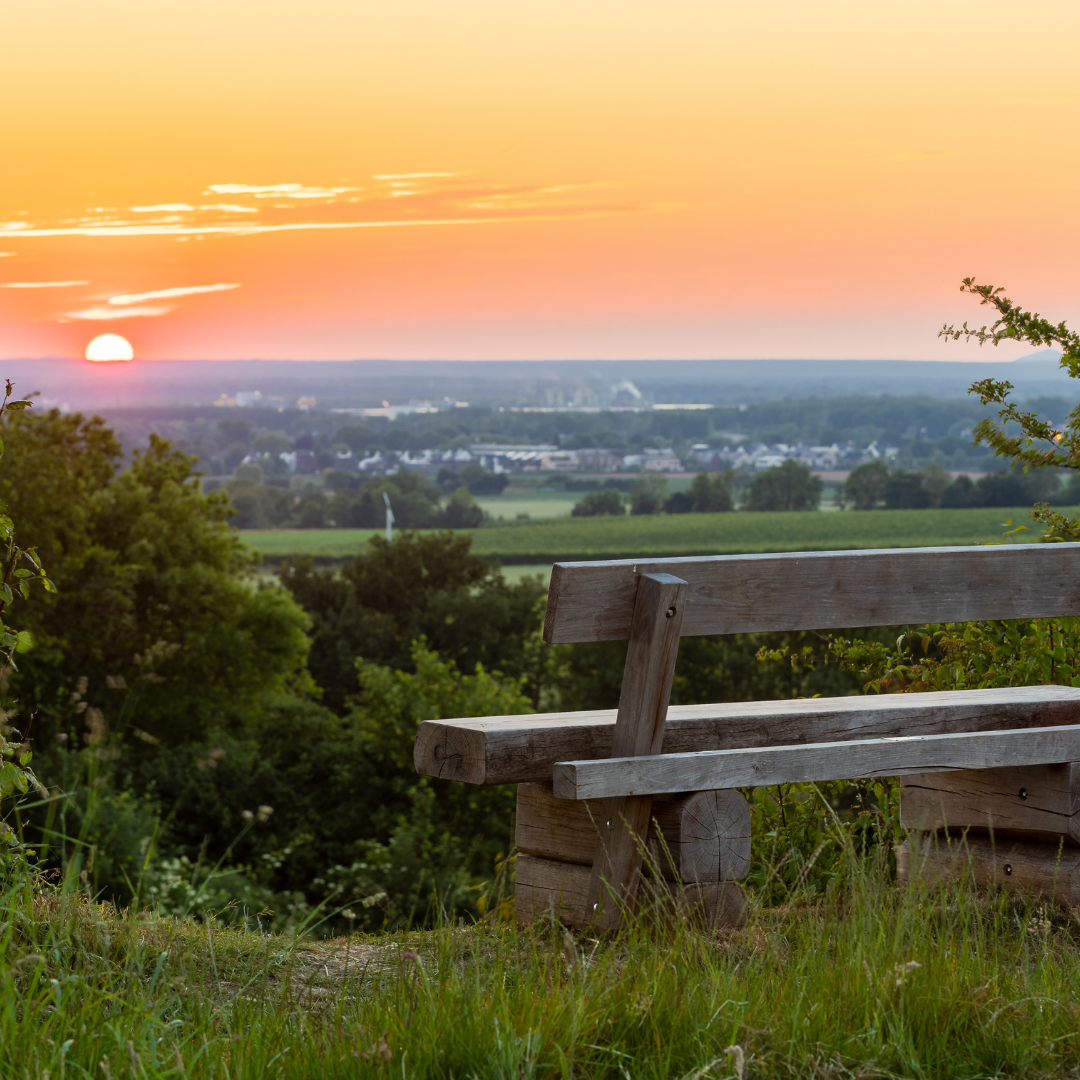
[(639, 731)]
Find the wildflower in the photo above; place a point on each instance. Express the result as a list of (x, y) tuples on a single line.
[(379, 1050), (569, 951), (1040, 924), (97, 729), (738, 1060), (903, 970)]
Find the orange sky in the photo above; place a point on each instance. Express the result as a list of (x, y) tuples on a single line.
[(489, 179)]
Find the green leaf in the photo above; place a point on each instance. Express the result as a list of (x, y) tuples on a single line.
[(7, 526), (17, 405), (8, 778), (24, 641), (24, 573), (24, 588), (49, 586)]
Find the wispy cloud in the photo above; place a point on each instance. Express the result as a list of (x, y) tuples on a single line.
[(102, 314), (218, 229), (8, 254), (41, 284), (170, 294), (278, 191), (389, 201)]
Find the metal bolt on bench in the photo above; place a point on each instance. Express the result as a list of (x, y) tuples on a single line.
[(594, 787)]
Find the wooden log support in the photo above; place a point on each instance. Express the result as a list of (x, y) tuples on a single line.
[(1050, 871), (639, 730), (705, 835), (818, 761), (1032, 802), (548, 886), (516, 749)]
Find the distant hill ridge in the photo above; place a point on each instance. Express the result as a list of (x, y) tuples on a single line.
[(356, 383)]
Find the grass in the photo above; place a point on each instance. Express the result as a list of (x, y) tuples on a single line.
[(869, 982), (534, 542), (515, 572)]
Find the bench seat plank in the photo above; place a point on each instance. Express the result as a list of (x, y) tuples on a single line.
[(816, 590), (815, 761), (517, 749)]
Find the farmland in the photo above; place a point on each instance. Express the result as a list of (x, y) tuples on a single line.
[(552, 539)]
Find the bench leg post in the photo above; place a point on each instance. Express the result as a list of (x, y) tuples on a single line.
[(639, 730)]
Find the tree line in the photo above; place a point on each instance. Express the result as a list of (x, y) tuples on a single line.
[(874, 485)]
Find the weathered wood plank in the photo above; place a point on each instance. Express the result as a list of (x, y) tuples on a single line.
[(1032, 802), (734, 594), (1023, 865), (820, 761), (547, 886), (706, 833), (515, 749), (639, 730)]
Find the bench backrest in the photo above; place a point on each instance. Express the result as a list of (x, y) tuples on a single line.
[(735, 594)]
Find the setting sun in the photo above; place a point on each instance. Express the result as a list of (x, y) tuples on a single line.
[(109, 347)]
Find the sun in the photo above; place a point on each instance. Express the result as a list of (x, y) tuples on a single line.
[(110, 347)]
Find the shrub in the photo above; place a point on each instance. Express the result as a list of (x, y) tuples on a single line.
[(959, 494), (865, 485), (431, 585), (647, 494), (461, 511), (712, 494), (597, 503), (481, 482), (349, 811), (904, 491), (790, 486), (682, 502)]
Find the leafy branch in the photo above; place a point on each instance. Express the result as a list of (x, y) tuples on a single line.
[(1032, 442), (19, 568)]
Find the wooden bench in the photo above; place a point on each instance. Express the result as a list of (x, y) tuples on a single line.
[(598, 787)]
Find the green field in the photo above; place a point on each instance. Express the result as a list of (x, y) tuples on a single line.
[(507, 507), (553, 539)]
